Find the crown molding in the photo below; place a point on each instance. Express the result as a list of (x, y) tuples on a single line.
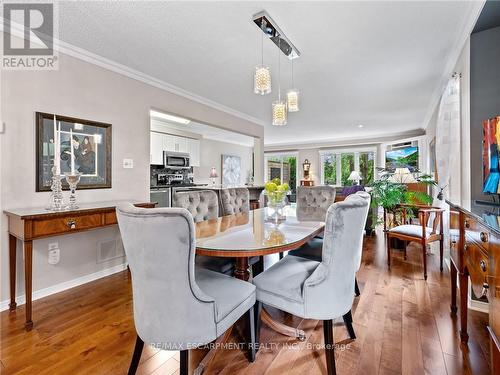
[(348, 141), (467, 27), (92, 58)]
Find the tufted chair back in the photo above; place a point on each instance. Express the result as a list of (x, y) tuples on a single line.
[(367, 197), (234, 201), (340, 260), (315, 196), (169, 306), (202, 204)]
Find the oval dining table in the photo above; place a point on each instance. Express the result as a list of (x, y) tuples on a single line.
[(259, 233)]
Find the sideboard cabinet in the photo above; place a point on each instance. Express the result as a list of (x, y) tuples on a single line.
[(475, 258)]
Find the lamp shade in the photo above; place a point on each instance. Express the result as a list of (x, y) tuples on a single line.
[(279, 113), (354, 176), (262, 80), (292, 99), (213, 173), (402, 176)]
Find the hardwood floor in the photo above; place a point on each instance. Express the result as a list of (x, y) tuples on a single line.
[(403, 326)]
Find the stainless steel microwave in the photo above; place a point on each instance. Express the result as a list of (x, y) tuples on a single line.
[(176, 160)]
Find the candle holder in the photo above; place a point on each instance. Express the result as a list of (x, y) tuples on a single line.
[(56, 196), (72, 180)]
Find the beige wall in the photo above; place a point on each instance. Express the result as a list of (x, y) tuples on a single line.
[(210, 156), (83, 90)]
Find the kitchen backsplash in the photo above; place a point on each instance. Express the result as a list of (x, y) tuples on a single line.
[(187, 174)]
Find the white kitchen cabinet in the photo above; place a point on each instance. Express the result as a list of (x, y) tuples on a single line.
[(193, 146), (181, 144), (166, 142), (156, 148)]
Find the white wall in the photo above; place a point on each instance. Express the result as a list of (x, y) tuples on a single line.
[(211, 156), (83, 90), (313, 156)]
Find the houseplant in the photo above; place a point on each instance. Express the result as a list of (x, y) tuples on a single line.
[(390, 195)]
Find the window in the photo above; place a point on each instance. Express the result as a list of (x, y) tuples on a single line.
[(284, 167), (346, 166), (337, 165), (329, 170), (367, 166)]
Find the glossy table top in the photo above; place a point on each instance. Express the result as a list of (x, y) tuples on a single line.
[(253, 234)]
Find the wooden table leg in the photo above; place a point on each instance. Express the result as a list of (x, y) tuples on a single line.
[(241, 270), (282, 328), (211, 354), (453, 277), (464, 285), (12, 271), (28, 269)]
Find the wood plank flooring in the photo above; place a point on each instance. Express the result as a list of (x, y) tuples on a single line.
[(403, 326)]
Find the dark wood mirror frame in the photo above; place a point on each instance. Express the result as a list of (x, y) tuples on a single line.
[(40, 186)]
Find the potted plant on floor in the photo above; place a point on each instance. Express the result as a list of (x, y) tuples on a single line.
[(389, 193)]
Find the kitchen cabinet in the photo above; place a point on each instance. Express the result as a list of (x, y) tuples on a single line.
[(156, 148), (193, 147), (166, 142)]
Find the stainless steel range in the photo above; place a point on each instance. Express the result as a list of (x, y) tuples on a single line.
[(165, 181)]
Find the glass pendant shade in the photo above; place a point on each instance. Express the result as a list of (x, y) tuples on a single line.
[(262, 80), (292, 99), (279, 113)]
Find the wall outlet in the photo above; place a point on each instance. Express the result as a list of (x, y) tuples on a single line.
[(128, 163), (54, 253)]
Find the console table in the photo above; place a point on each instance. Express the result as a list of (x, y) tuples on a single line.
[(35, 223), (475, 255)]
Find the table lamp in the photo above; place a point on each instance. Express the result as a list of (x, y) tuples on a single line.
[(402, 176), (213, 175), (355, 176)]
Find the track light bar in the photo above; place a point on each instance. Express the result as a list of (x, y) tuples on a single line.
[(273, 32)]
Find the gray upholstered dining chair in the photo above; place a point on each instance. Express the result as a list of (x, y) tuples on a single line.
[(234, 201), (177, 305), (316, 196), (204, 205), (313, 250), (320, 290), (237, 201)]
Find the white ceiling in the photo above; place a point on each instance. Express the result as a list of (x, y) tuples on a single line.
[(379, 64)]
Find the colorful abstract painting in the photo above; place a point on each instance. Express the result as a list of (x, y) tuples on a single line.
[(491, 140)]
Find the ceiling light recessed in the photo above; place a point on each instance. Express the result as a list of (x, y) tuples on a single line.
[(167, 117), (360, 126)]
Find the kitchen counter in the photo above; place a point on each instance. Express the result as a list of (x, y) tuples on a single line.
[(177, 186)]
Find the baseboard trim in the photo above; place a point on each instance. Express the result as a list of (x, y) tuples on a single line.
[(21, 300)]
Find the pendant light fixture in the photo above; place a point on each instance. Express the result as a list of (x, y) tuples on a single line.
[(292, 97), (279, 106), (262, 74)]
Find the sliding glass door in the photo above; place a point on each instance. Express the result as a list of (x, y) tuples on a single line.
[(284, 167)]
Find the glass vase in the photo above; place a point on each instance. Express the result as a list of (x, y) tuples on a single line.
[(72, 180)]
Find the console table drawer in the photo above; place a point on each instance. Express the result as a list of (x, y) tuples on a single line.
[(66, 224), (110, 218), (478, 265), (477, 233)]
